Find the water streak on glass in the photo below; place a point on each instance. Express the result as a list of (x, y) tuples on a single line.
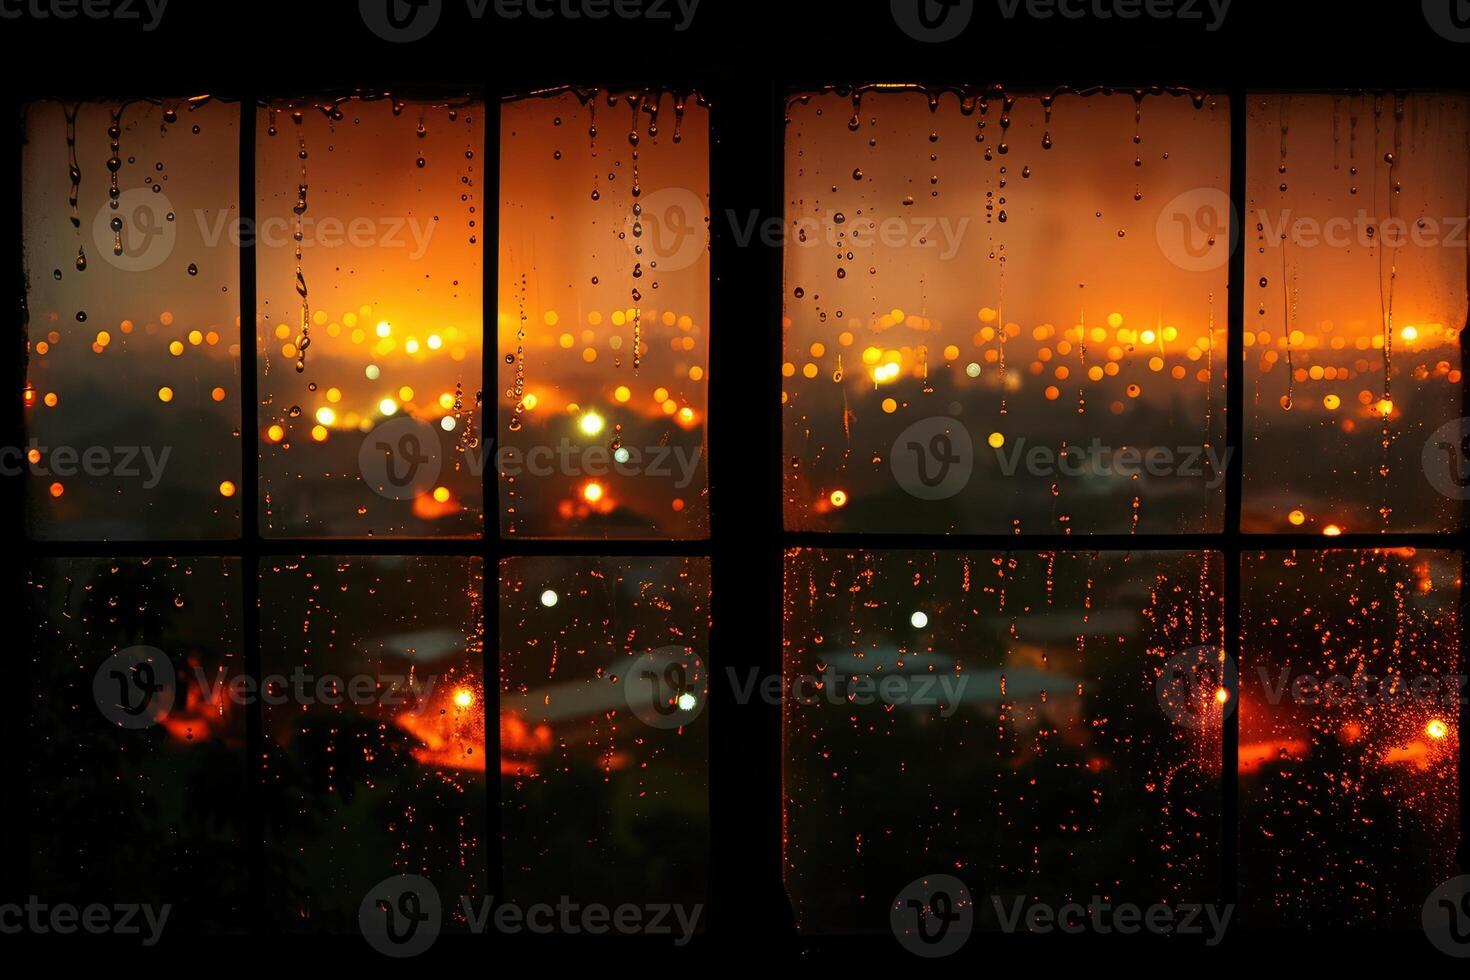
[(132, 392), (150, 807), (369, 327), (1349, 736), (1355, 302), (379, 768), (603, 316), (1012, 719), (1005, 312), (603, 737)]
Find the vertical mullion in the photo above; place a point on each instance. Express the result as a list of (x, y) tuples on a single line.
[(490, 482), (1234, 442), (1461, 534), (15, 771), (249, 516), (746, 892)]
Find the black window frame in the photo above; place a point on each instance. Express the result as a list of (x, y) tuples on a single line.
[(748, 541)]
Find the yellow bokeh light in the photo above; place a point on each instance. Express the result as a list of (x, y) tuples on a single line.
[(591, 423)]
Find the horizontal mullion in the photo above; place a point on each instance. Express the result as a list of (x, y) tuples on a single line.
[(1205, 541), (388, 547)]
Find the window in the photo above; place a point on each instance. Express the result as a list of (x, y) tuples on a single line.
[(307, 699), (1116, 480), (604, 338), (1008, 328)]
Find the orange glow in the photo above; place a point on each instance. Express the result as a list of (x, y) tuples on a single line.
[(1436, 729), (1221, 695), (451, 728), (839, 498), (57, 489), (430, 506), (592, 492), (1332, 530), (1254, 755), (227, 489), (520, 744), (198, 717)]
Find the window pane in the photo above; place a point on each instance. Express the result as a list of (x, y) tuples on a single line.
[(370, 329), (1349, 736), (1356, 279), (997, 717), (603, 315), (604, 747), (136, 754), (375, 734), (994, 319), (132, 394)]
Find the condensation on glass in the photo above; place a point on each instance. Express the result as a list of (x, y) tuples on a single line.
[(603, 315), (1349, 736), (369, 327), (137, 758), (1004, 311), (132, 392), (374, 762), (603, 740), (1355, 302), (1043, 727)]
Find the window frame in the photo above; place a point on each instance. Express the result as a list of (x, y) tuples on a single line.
[(1232, 542), (746, 887)]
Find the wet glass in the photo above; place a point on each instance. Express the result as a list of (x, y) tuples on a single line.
[(1355, 261), (1043, 727), (374, 760), (1005, 312), (132, 394), (603, 741), (1349, 736), (603, 315), (136, 752), (369, 328)]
